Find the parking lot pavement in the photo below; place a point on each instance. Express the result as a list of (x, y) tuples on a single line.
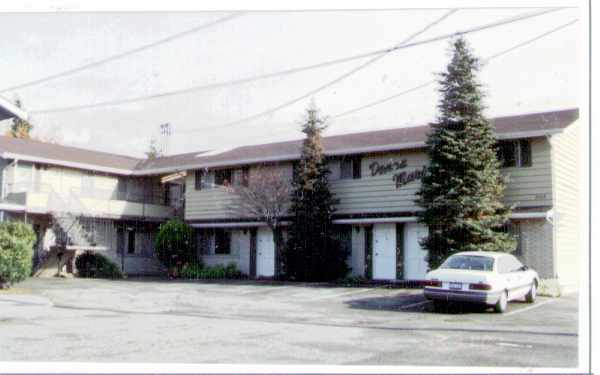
[(243, 322)]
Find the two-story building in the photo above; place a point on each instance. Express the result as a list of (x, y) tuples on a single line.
[(375, 176)]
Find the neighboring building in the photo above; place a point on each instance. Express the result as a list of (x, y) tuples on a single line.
[(374, 175)]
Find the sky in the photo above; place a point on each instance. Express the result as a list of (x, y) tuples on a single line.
[(542, 76)]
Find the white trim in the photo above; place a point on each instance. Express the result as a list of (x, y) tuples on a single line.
[(12, 207), (287, 157), (230, 225), (11, 108), (76, 165), (346, 151), (530, 215), (407, 219)]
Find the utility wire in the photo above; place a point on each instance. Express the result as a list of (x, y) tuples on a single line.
[(285, 72), (123, 54), (484, 61), (343, 76)]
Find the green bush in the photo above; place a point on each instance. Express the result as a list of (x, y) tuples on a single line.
[(93, 265), (197, 271), (16, 252), (175, 243)]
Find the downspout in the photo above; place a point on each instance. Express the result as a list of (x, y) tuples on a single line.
[(551, 218)]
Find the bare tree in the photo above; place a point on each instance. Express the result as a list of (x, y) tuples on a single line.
[(264, 194)]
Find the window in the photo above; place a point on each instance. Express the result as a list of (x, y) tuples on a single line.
[(509, 263), (222, 241), (224, 177), (514, 153), (245, 176), (198, 179), (350, 168), (469, 262), (131, 242)]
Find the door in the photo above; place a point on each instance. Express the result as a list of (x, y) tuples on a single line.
[(384, 251), (415, 262), (265, 253), (252, 266)]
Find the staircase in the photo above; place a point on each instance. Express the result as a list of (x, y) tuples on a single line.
[(70, 236)]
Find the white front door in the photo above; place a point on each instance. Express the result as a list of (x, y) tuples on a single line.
[(415, 263), (384, 251), (265, 253)]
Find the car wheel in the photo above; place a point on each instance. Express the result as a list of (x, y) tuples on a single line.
[(438, 306), (532, 294), (502, 303)]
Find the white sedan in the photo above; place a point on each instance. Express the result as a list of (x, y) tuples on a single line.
[(483, 277)]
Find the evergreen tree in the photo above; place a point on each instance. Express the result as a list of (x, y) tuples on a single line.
[(153, 150), (311, 252), (20, 128), (462, 187)]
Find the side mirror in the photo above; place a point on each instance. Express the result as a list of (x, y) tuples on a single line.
[(524, 268)]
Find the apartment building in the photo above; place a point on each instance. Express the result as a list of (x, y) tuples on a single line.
[(375, 176)]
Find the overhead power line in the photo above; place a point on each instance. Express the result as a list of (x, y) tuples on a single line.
[(484, 61), (123, 54), (343, 76), (287, 71)]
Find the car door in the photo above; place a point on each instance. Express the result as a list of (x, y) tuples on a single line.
[(522, 278)]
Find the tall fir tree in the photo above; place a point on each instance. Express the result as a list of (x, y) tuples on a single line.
[(20, 128), (462, 189), (311, 252)]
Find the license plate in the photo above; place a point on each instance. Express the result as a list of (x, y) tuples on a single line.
[(455, 285)]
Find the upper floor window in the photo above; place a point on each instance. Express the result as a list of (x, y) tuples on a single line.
[(224, 177), (198, 179), (245, 176), (350, 168), (514, 153)]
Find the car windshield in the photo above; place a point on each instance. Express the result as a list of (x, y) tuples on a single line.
[(469, 262)]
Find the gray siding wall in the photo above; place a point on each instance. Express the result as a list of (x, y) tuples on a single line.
[(537, 244), (240, 252), (218, 202), (527, 187), (566, 155)]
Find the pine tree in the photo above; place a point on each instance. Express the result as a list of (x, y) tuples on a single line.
[(311, 252), (20, 128), (153, 150), (462, 189)]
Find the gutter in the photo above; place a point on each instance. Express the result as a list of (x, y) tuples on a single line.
[(237, 162)]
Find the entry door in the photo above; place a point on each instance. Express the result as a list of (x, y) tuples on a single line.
[(384, 251), (415, 263), (265, 253)]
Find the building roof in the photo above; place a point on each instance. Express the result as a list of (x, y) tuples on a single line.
[(54, 154), (9, 110), (508, 127)]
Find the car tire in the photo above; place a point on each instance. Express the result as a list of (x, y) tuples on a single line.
[(532, 294), (502, 303)]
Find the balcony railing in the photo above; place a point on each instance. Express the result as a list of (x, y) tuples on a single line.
[(89, 202)]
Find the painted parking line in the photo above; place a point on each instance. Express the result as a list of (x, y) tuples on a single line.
[(414, 304), (529, 308), (347, 293)]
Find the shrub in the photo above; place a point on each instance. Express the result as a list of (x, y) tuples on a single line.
[(549, 288), (197, 271), (16, 252), (175, 243), (93, 265)]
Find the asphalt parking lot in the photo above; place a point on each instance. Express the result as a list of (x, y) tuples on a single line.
[(242, 322)]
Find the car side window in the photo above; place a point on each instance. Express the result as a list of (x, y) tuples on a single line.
[(515, 264), (504, 265)]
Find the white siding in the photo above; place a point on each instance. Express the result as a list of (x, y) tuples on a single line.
[(566, 155)]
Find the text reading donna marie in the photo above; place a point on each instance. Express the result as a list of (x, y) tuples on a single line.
[(400, 178)]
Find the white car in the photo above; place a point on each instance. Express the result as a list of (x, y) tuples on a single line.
[(483, 277)]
